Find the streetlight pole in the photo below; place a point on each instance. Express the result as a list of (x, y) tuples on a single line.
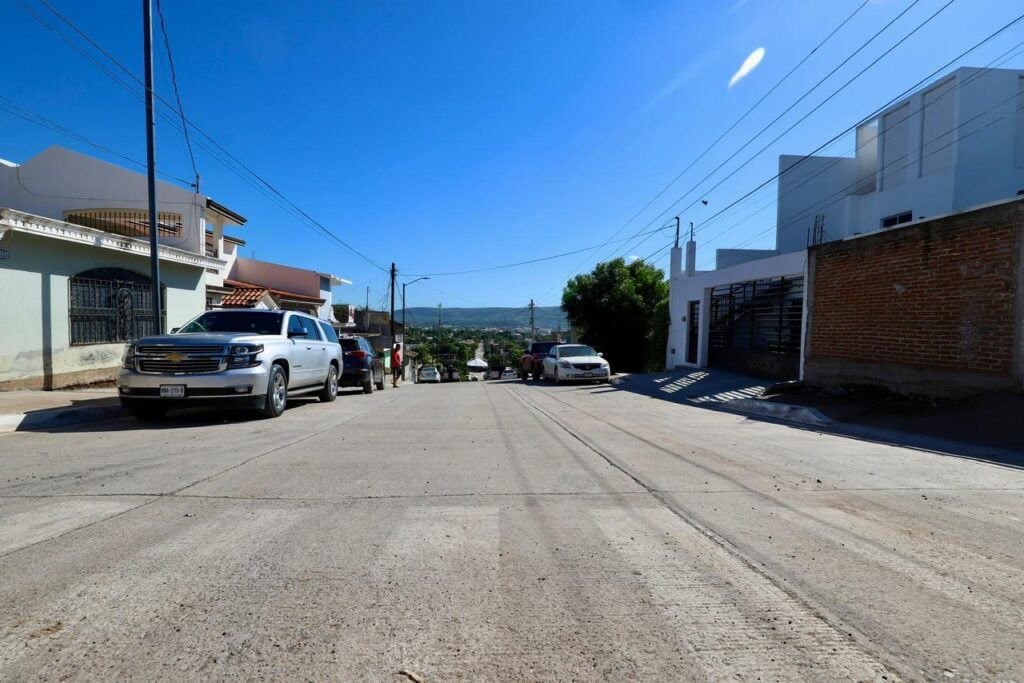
[(404, 284)]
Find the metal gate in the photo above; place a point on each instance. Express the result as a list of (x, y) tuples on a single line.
[(755, 327), (111, 309)]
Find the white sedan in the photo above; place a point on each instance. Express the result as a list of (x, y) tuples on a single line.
[(575, 362)]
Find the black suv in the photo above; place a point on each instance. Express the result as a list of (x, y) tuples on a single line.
[(362, 366)]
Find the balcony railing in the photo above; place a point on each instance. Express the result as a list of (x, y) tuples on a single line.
[(127, 222)]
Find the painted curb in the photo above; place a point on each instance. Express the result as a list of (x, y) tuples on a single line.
[(58, 417), (780, 411)]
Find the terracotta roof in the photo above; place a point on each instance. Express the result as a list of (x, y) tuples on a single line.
[(251, 288), (243, 296)]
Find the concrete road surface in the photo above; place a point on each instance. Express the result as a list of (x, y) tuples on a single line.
[(502, 531)]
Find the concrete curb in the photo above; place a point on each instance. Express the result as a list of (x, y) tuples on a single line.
[(779, 411), (57, 417)]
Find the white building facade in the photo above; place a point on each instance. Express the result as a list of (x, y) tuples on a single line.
[(955, 144), (74, 265)]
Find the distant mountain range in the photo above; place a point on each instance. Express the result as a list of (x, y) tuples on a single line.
[(547, 317)]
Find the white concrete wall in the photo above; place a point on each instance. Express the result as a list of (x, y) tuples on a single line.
[(986, 167), (286, 278), (36, 337), (726, 258), (809, 186), (953, 145), (683, 289), (59, 180)]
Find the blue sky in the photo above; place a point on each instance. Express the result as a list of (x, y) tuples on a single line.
[(452, 136)]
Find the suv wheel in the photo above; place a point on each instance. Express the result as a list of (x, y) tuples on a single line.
[(381, 385), (330, 390), (368, 384), (277, 393)]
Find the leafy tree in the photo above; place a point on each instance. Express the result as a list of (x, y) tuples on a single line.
[(614, 308)]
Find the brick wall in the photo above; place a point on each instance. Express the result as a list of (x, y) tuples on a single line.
[(930, 308)]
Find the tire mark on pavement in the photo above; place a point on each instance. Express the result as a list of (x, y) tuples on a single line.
[(857, 648)]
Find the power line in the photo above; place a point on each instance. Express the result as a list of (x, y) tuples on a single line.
[(9, 106), (841, 193), (177, 94), (995, 63), (809, 113), (519, 263), (326, 232), (874, 114), (728, 130)]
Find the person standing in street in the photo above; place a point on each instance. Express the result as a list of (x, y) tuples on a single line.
[(396, 364)]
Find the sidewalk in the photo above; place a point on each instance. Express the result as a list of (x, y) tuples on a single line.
[(988, 427), (29, 410)]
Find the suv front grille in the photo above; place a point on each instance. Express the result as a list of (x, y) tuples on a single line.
[(181, 359), (191, 366), (586, 366), (185, 350)]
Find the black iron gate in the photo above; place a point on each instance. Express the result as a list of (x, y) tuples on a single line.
[(109, 305), (755, 327)]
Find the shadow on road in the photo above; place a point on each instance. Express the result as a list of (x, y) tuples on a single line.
[(988, 430)]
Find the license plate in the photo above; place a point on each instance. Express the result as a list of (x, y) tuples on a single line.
[(588, 374), (172, 391)]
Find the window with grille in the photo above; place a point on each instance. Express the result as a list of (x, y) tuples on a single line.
[(128, 222), (110, 305)]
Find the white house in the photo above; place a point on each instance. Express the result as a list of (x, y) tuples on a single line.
[(74, 264), (955, 144)]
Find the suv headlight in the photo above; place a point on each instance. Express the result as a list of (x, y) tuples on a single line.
[(244, 355), (128, 357)]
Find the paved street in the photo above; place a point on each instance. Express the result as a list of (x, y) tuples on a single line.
[(502, 531)]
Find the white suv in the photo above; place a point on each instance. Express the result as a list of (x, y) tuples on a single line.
[(236, 358)]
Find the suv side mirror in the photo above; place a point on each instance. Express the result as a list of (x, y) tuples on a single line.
[(174, 330), (297, 333)]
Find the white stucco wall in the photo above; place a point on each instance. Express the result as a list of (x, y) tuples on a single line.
[(955, 144), (286, 278), (59, 180), (36, 324), (683, 289), (809, 186)]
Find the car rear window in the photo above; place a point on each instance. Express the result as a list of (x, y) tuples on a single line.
[(350, 344)]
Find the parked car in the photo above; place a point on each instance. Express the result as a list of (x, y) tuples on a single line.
[(571, 362), (508, 373), (237, 358), (531, 364), (362, 366), (429, 374)]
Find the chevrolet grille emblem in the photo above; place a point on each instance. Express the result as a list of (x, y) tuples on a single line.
[(176, 357)]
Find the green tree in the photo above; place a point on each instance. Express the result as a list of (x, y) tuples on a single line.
[(616, 307)]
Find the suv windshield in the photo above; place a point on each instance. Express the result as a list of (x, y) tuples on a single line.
[(571, 351), (541, 347), (250, 322)]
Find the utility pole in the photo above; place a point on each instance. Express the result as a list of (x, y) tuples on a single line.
[(439, 317), (367, 298), (533, 322), (393, 271), (154, 252)]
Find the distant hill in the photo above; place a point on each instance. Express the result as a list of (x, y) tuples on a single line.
[(547, 317)]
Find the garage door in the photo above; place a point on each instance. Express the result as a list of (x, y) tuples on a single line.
[(755, 327)]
